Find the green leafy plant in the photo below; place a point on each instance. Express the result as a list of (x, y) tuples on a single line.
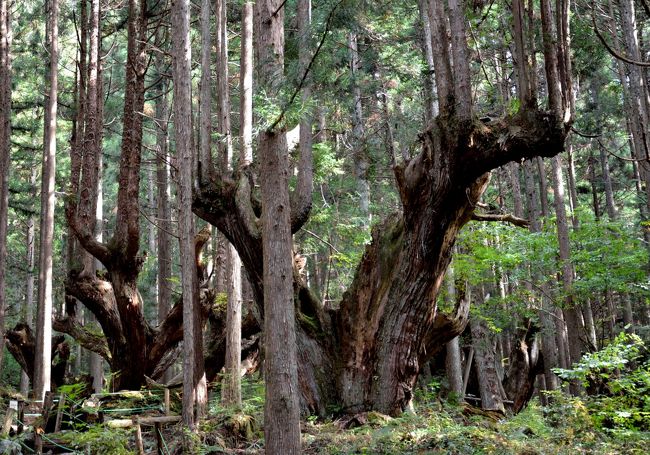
[(99, 440), (618, 379)]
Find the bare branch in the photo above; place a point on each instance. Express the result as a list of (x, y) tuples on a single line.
[(505, 218), (94, 342), (615, 53)]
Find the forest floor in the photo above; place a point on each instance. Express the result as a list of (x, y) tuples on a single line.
[(566, 426), (436, 427)]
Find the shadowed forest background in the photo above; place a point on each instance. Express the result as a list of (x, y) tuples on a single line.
[(405, 226)]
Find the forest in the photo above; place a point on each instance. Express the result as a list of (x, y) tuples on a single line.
[(328, 227)]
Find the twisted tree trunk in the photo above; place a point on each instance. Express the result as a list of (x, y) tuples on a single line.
[(387, 324)]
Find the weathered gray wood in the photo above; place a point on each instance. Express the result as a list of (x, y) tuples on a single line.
[(127, 423), (59, 413), (9, 418)]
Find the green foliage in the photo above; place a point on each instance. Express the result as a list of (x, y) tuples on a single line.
[(326, 164), (74, 392), (100, 440), (619, 378), (10, 373), (564, 427)]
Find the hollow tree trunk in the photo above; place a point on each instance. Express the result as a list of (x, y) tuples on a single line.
[(524, 368)]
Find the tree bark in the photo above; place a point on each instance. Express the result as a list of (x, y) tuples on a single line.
[(225, 140), (361, 158), (367, 353), (91, 142), (281, 410), (28, 308), (231, 386), (453, 364), (5, 152), (575, 328), (43, 360), (181, 71), (484, 362), (205, 94), (21, 343), (610, 205), (462, 73), (163, 209), (430, 104), (390, 305), (639, 95), (246, 85), (441, 59)]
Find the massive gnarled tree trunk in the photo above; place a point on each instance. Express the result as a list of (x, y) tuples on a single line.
[(387, 324), (367, 353), (131, 346)]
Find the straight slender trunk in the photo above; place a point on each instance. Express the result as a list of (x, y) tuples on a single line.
[(575, 327), (361, 159), (543, 187), (163, 209), (76, 141), (485, 364), (590, 325), (548, 326), (441, 57), (453, 364), (462, 73), (96, 362), (43, 360), (231, 386), (430, 104), (610, 205), (638, 99), (522, 69), (91, 142), (246, 85), (5, 151), (181, 71), (205, 93), (28, 309), (225, 140), (573, 191), (281, 410)]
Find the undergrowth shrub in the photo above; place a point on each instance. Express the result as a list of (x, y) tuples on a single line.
[(617, 379)]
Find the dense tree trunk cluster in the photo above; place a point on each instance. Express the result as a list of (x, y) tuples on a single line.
[(366, 351)]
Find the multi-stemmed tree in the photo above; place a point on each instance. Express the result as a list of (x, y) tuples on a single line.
[(367, 353)]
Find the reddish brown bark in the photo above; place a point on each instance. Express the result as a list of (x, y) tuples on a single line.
[(388, 315), (131, 346)]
